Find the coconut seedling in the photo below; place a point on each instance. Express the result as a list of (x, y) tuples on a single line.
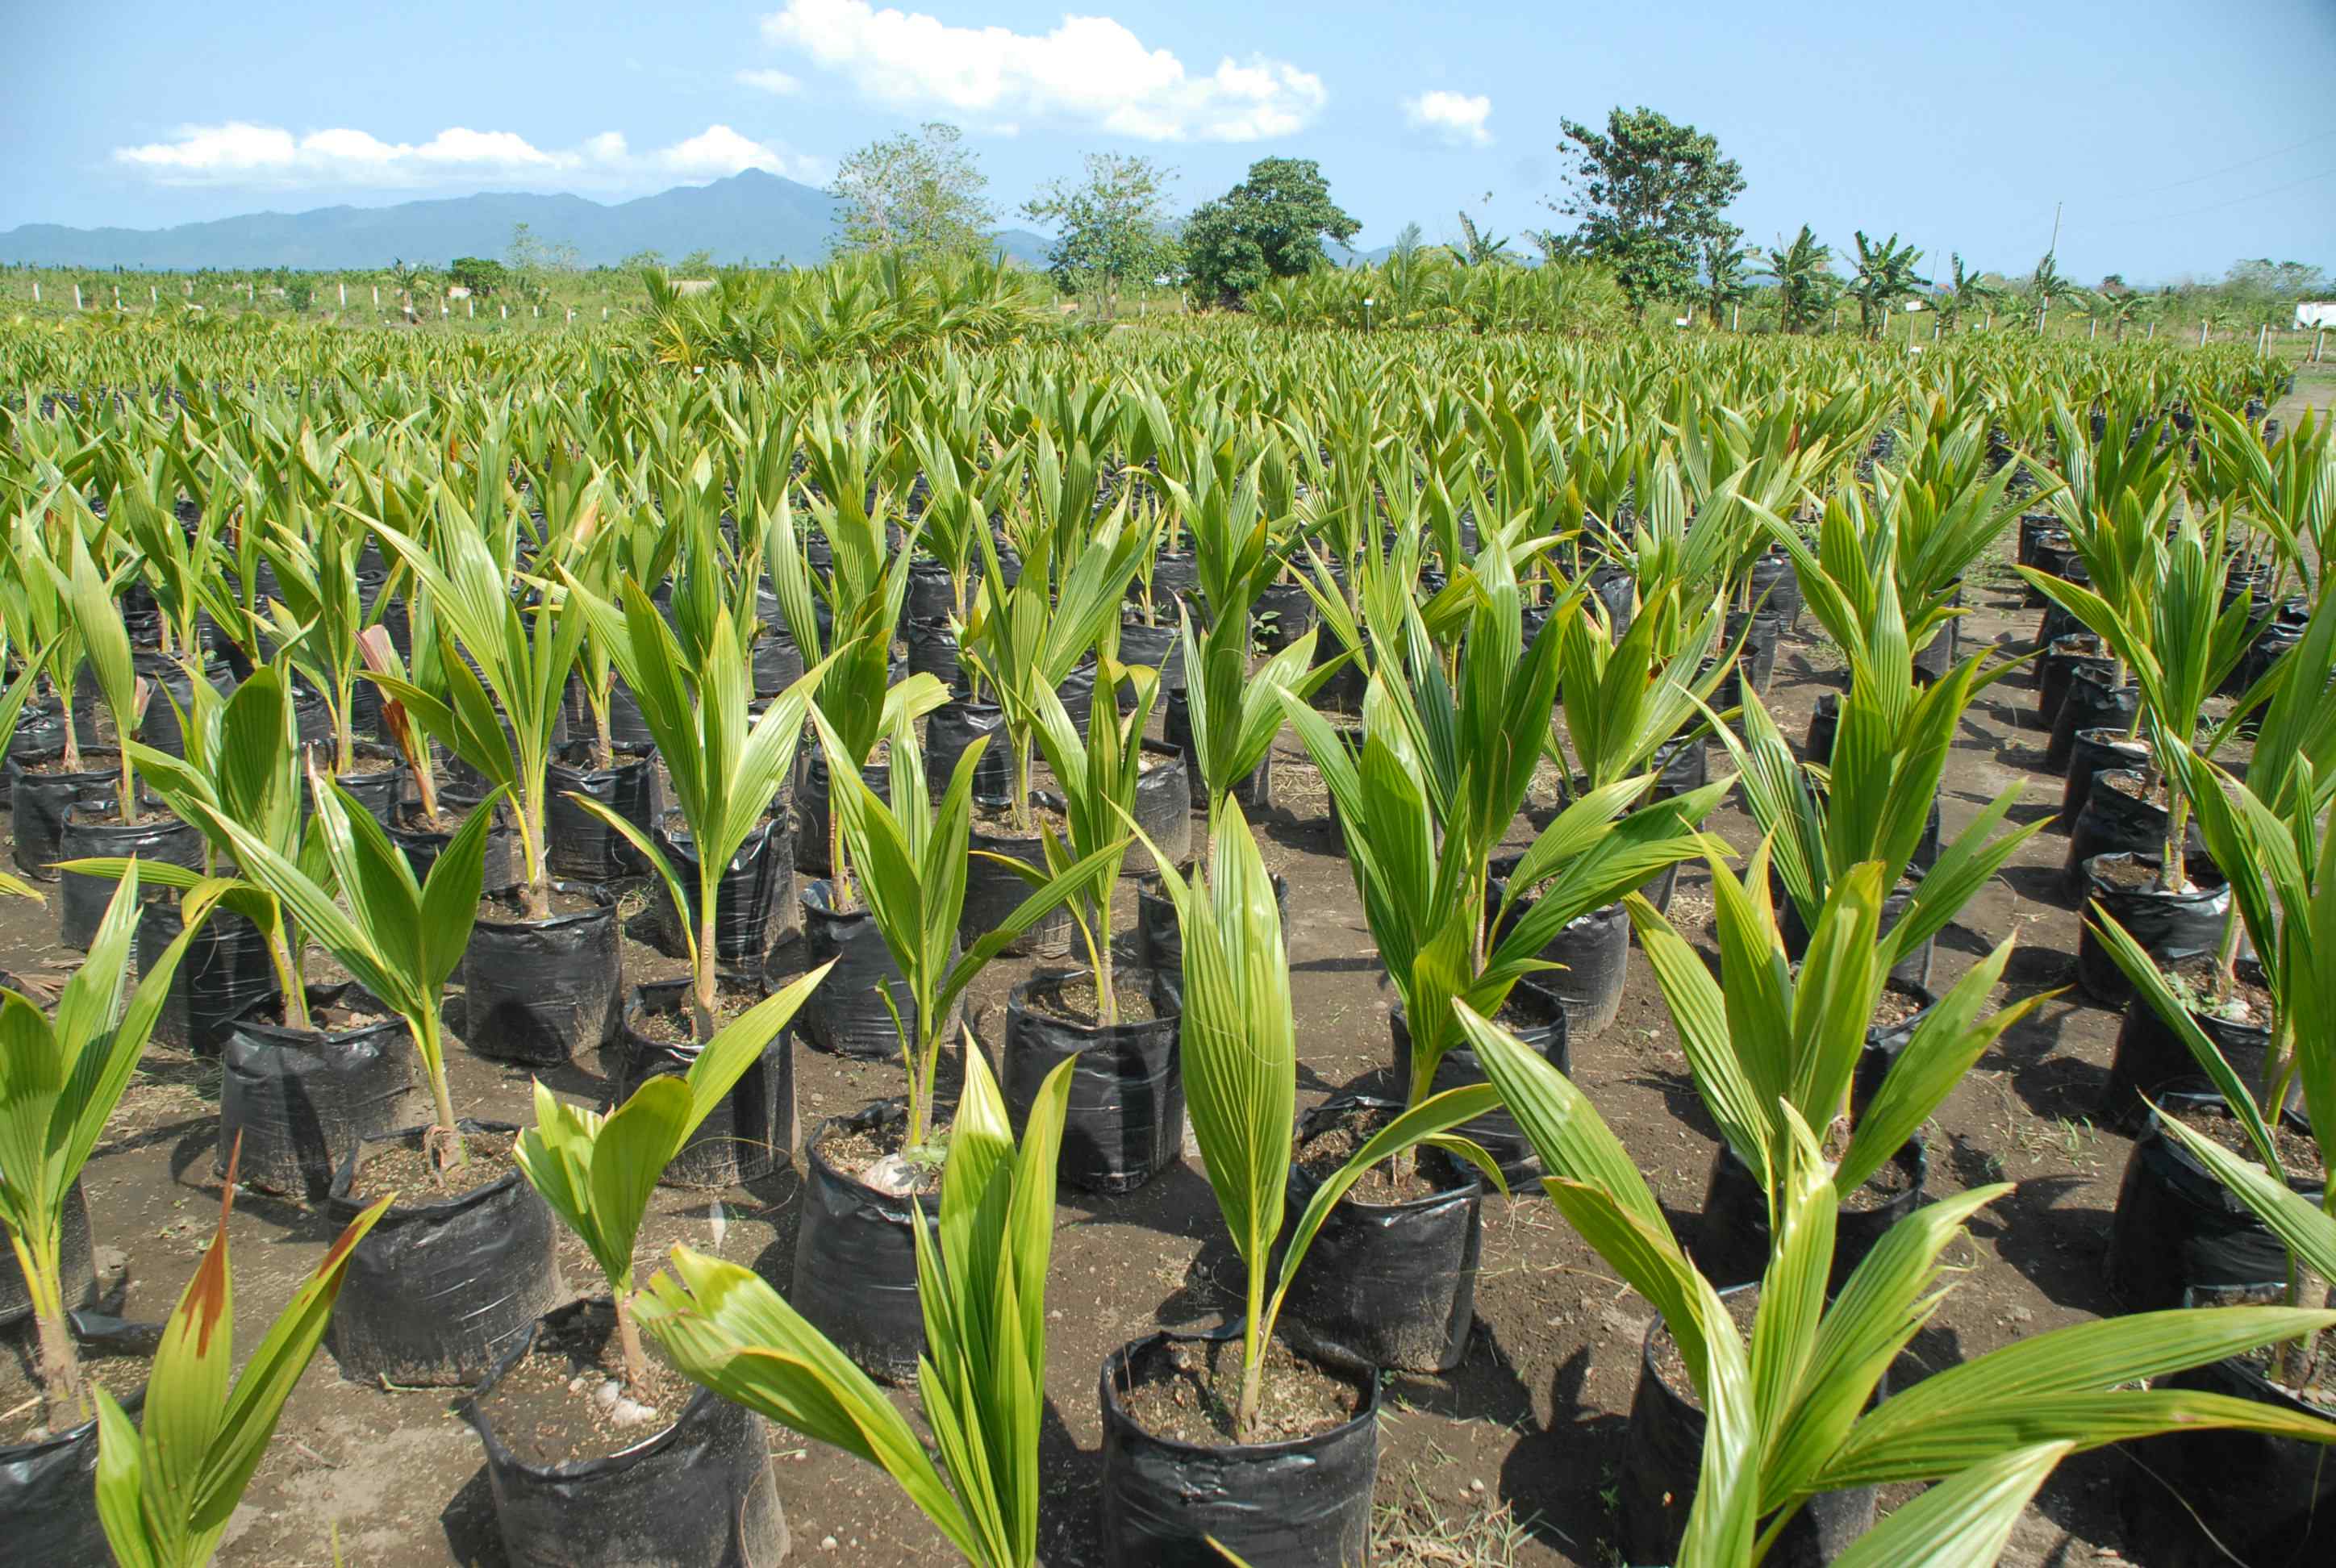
[(981, 1378), (912, 856), (240, 766), (727, 763), (169, 1482), (1238, 1039), (399, 939), (65, 1076), (2282, 879), (1792, 1414), (504, 671), (597, 1172)]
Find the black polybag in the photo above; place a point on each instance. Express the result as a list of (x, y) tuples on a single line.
[(1302, 1504), (225, 970), (2095, 751), (440, 1290), (75, 1266), (1732, 1245), (2169, 927), (993, 892), (2178, 1229), (2115, 821), (814, 828), (955, 726), (1663, 1460), (38, 805), (582, 846), (856, 1259), (1387, 1284), (48, 1489), (2092, 703), (298, 1098), (752, 900), (1125, 1123), (538, 992), (697, 1491), (93, 833), (1254, 791), (2151, 1056), (2062, 659), (752, 1129), (847, 1014), (1495, 1131), (1164, 809)]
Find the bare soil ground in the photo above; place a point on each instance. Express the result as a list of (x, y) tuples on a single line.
[(1510, 1460)]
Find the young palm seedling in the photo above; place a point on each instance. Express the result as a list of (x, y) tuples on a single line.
[(168, 1484), (65, 1075), (1792, 1417), (982, 1277), (1240, 1067)]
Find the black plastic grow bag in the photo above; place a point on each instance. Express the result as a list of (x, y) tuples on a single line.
[(2095, 751), (2092, 703), (856, 1259), (696, 1491), (1255, 791), (993, 892), (297, 1098), (2177, 1228), (846, 1015), (48, 1496), (91, 830), (75, 1266), (1304, 1504), (439, 1290), (1387, 1284), (2151, 1058), (225, 970), (1164, 809), (1732, 1245), (2169, 927), (38, 805), (2062, 659), (537, 992), (814, 828), (752, 902), (749, 1134), (1496, 1131), (953, 727), (579, 845), (1125, 1119)]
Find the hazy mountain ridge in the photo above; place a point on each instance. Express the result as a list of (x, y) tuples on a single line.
[(749, 217)]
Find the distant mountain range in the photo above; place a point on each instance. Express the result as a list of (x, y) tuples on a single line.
[(749, 217)]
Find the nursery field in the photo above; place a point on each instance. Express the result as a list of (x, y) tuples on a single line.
[(1442, 606)]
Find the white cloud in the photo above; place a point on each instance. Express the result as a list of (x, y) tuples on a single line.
[(1090, 71), (776, 82), (242, 153), (1456, 117)]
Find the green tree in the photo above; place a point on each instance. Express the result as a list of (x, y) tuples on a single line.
[(1111, 224), (1648, 193), (1885, 275), (1804, 279), (923, 195), (1272, 225), (1968, 292), (482, 275)]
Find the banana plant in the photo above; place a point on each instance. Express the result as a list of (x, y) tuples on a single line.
[(1771, 1049), (64, 1077), (241, 767), (502, 704), (726, 765), (981, 1379), (597, 1172), (2181, 642), (912, 855), (168, 1484), (2284, 882), (1239, 1044), (1788, 1416), (400, 940)]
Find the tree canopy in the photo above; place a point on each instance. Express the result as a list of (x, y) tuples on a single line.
[(1648, 193), (1272, 225), (1111, 224), (922, 194)]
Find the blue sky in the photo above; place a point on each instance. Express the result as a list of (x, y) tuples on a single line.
[(2180, 135)]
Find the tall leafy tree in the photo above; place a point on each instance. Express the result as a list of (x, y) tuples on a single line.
[(1724, 279), (1885, 275), (1648, 193), (924, 195), (1111, 224), (1272, 225)]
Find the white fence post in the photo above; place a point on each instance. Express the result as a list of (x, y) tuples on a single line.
[(2319, 338), (76, 296), (343, 286), (2262, 338), (2202, 335), (36, 291)]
